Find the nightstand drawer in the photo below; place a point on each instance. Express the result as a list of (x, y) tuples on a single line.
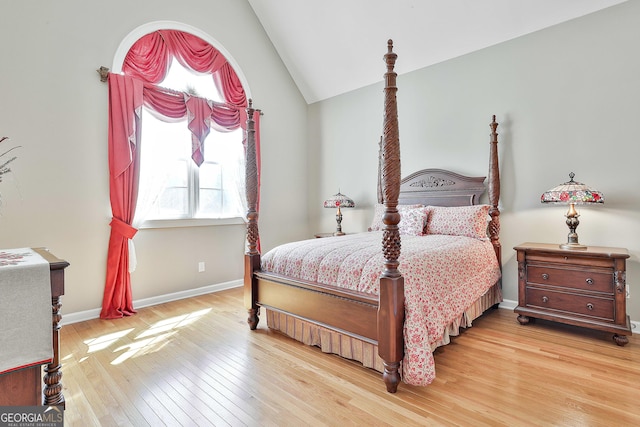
[(570, 259), (601, 308), (588, 280)]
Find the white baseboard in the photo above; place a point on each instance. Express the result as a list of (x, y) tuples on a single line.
[(146, 302), (510, 305)]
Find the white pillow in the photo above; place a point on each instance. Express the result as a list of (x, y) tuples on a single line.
[(413, 221), (377, 224)]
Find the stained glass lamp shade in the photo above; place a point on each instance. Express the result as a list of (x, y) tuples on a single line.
[(572, 193), (339, 200)]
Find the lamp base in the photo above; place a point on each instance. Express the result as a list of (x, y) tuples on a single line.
[(572, 246), (338, 233), (572, 237)]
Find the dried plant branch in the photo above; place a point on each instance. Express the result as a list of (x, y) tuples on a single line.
[(3, 167), (10, 149)]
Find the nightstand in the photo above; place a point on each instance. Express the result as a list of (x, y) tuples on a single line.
[(577, 287), (319, 235)]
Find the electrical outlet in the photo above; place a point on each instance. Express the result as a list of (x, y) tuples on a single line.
[(200, 266)]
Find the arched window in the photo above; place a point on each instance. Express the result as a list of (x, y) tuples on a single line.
[(193, 132), (172, 184)]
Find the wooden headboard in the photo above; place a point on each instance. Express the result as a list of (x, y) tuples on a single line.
[(439, 187)]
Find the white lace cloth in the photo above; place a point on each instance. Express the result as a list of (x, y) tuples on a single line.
[(25, 310)]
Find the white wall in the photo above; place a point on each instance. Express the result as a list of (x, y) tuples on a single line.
[(54, 105), (566, 99)]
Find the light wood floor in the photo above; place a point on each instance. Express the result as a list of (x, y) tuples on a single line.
[(195, 362)]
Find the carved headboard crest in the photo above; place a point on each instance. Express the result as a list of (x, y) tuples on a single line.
[(432, 181)]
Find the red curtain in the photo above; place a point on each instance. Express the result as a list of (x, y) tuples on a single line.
[(125, 107), (149, 59), (144, 66), (198, 121)]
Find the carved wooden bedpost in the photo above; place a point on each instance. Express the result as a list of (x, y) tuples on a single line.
[(494, 192), (380, 194), (391, 307), (251, 256)]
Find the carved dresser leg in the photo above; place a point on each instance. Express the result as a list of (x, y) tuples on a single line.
[(523, 319), (621, 340), (52, 379)]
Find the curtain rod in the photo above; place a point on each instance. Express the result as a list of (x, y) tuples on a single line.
[(104, 76)]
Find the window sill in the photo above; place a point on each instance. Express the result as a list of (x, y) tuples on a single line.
[(192, 222)]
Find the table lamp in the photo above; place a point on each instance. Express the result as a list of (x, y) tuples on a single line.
[(572, 193), (339, 200)]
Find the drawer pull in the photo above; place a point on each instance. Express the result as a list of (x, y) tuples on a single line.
[(545, 276), (589, 281), (590, 306), (545, 299)]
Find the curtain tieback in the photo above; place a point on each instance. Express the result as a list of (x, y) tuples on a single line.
[(123, 228)]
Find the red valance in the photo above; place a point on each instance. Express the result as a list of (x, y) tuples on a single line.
[(149, 59)]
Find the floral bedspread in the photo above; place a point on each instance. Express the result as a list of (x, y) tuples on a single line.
[(443, 276)]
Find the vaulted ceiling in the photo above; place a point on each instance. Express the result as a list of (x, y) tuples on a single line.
[(334, 46)]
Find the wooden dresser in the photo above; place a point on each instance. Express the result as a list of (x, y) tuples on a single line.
[(577, 287)]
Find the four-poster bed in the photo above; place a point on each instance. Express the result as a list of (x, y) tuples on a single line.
[(393, 317)]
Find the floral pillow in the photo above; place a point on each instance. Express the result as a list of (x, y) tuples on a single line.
[(377, 224), (470, 221), (413, 221)]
